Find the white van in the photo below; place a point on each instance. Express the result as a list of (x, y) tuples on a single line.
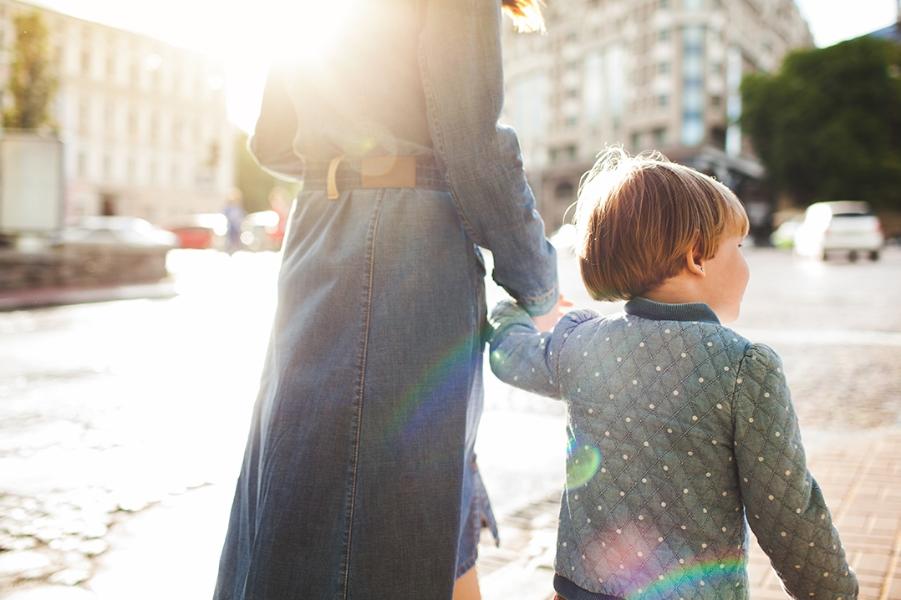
[(845, 226)]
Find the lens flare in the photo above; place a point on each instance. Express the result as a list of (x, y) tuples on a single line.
[(425, 399), (582, 463), (691, 577)]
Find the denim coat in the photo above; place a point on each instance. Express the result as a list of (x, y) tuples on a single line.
[(359, 479)]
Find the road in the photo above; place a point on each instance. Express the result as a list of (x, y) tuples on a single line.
[(122, 424)]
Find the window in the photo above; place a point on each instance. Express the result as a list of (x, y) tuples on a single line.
[(84, 116), (693, 41), (86, 62), (176, 132), (564, 190), (659, 136), (692, 128), (132, 124)]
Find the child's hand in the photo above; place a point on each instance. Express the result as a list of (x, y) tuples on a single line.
[(547, 322)]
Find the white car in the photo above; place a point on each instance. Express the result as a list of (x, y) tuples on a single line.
[(849, 227), (120, 231)]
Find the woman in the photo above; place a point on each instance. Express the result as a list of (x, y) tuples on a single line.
[(359, 479)]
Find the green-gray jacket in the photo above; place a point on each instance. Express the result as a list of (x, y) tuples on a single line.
[(680, 432)]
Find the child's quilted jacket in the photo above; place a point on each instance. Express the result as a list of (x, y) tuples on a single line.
[(680, 431)]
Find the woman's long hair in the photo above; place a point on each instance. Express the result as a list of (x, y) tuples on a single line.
[(526, 14)]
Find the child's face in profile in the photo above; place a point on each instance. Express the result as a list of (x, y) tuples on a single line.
[(725, 278)]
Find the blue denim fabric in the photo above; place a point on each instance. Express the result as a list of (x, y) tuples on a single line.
[(359, 479)]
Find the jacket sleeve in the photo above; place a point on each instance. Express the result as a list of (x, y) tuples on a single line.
[(783, 503), (462, 75), (273, 138), (527, 358)]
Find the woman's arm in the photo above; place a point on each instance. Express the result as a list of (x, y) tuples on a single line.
[(462, 75), (273, 138)]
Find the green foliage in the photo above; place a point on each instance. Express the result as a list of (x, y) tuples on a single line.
[(827, 126), (32, 82), (255, 184)]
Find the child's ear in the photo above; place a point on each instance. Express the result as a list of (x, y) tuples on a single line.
[(694, 264)]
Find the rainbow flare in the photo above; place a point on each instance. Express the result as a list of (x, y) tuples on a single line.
[(691, 576), (582, 464), (427, 394)]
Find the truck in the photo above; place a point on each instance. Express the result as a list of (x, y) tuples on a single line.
[(31, 184)]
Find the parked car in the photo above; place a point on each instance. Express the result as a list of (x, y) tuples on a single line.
[(784, 235), (201, 231), (262, 230), (845, 226), (123, 231)]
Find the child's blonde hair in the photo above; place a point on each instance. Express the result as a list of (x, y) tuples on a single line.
[(637, 217), (526, 14)]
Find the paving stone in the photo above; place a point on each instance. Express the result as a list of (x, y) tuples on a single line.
[(23, 561)]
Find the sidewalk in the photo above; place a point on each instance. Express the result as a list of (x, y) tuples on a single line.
[(57, 296), (860, 476)]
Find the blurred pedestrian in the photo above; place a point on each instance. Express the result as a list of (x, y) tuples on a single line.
[(679, 427), (234, 216), (278, 203), (359, 478)]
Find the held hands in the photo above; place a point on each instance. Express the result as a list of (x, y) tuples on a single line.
[(548, 321)]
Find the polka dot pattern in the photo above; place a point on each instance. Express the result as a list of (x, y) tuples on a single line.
[(694, 429)]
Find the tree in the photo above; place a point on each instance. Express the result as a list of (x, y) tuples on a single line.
[(827, 126), (255, 184), (32, 82)]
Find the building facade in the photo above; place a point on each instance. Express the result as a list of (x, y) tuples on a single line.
[(143, 124), (646, 74)]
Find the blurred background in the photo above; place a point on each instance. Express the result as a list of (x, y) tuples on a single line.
[(139, 251)]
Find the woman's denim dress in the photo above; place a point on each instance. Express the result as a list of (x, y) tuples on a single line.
[(359, 479)]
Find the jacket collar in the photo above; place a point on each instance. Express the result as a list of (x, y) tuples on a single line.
[(659, 311)]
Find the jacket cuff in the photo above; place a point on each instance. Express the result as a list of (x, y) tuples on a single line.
[(540, 304), (507, 313)]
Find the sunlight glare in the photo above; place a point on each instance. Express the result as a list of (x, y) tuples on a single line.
[(299, 32)]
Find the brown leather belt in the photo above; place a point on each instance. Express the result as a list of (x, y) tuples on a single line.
[(342, 173)]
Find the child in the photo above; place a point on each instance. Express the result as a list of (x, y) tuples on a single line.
[(680, 430)]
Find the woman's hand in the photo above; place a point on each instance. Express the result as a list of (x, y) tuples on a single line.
[(548, 321)]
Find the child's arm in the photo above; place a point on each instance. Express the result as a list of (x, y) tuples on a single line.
[(783, 503), (523, 356)]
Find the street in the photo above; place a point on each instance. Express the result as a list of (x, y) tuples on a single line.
[(123, 423)]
